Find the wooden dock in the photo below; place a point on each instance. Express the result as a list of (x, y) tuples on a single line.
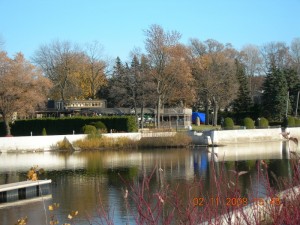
[(26, 201), (23, 190)]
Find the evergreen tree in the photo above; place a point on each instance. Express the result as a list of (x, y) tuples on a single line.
[(243, 103), (117, 93), (274, 98), (108, 92), (293, 83)]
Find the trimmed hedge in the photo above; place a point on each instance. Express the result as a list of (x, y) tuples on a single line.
[(60, 126), (297, 122), (263, 123), (2, 129), (248, 123), (44, 132), (291, 121), (89, 129), (228, 123)]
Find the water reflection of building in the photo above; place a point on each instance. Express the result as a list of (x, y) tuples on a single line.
[(201, 162)]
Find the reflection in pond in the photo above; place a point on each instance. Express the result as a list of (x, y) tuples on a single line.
[(81, 179)]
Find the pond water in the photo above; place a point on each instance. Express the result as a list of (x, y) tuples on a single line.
[(81, 180)]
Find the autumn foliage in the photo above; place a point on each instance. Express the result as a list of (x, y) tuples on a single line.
[(23, 88)]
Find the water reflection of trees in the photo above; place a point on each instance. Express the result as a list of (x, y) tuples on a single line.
[(89, 176)]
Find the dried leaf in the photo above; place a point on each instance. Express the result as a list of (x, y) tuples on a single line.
[(22, 221)]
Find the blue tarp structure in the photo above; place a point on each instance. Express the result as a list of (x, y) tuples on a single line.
[(200, 115)]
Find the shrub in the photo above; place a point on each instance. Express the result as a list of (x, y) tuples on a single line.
[(100, 126), (263, 123), (248, 123), (105, 142), (178, 140), (89, 129), (44, 132), (65, 144), (88, 143), (228, 123), (291, 121), (297, 122)]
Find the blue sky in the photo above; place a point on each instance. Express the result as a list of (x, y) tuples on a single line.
[(119, 24)]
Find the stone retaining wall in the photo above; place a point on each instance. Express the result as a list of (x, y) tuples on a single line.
[(37, 143), (224, 137), (49, 142), (294, 132)]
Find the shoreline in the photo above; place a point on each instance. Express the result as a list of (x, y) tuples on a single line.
[(210, 138)]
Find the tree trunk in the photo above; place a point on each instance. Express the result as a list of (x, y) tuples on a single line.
[(215, 119), (142, 116), (6, 125), (136, 115), (206, 113), (158, 111)]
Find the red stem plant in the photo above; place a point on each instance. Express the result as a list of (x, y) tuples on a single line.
[(223, 203)]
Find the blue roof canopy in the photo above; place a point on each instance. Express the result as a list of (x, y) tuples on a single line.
[(200, 115)]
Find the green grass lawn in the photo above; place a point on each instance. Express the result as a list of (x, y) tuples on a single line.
[(203, 127)]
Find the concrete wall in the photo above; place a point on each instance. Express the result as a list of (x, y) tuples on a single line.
[(294, 132), (44, 143), (200, 138), (223, 137), (132, 136), (49, 142)]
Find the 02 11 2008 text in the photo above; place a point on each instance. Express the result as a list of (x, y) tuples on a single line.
[(234, 202), (215, 201)]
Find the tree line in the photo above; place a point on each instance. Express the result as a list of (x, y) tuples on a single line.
[(205, 75)]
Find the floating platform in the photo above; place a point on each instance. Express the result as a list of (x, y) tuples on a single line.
[(24, 190)]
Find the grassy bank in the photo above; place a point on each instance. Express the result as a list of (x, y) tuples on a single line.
[(181, 139)]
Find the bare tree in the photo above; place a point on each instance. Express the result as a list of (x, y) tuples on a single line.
[(1, 43), (92, 74), (275, 54), (22, 88), (252, 59), (158, 45), (214, 70), (295, 54), (58, 62)]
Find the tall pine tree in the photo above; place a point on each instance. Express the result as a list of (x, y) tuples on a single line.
[(293, 83), (242, 105), (274, 98)]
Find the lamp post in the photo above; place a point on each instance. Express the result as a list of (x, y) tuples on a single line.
[(287, 104), (296, 113)]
